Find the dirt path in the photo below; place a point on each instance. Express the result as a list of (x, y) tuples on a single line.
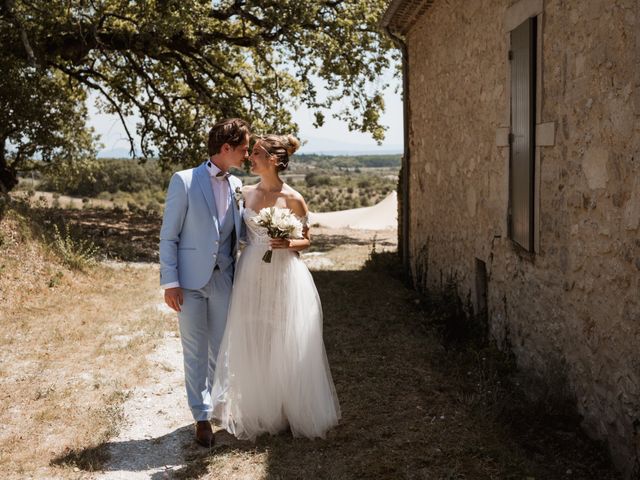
[(151, 437), (412, 407), (156, 435)]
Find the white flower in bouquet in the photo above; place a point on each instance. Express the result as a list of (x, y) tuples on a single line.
[(264, 216), (280, 223), (238, 196)]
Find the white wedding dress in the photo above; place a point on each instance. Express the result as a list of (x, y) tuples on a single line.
[(272, 369)]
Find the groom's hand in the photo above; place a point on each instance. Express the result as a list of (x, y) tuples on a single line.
[(173, 297)]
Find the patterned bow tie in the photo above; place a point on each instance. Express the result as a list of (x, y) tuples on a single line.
[(220, 175)]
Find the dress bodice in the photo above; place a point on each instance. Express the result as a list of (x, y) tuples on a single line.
[(256, 234)]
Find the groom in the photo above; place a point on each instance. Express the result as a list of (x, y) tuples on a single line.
[(198, 245)]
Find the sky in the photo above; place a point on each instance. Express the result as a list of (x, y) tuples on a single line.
[(332, 138)]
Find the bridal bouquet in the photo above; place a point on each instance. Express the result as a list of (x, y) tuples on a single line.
[(280, 223)]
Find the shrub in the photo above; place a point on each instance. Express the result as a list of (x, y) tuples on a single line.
[(153, 208), (314, 179), (77, 254), (133, 207), (55, 280), (91, 177), (159, 196)]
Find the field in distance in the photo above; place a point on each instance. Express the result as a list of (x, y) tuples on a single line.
[(328, 183)]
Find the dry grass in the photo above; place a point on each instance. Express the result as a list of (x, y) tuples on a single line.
[(73, 344), (346, 249)]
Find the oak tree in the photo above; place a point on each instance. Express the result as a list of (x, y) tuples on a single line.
[(179, 65)]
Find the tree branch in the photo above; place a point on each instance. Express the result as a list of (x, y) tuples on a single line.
[(82, 79), (8, 10)]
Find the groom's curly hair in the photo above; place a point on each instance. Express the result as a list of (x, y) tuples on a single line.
[(233, 131)]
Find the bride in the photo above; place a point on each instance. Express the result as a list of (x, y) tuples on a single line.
[(272, 370)]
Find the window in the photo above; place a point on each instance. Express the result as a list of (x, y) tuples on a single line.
[(522, 58)]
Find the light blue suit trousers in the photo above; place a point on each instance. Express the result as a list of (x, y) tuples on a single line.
[(199, 253), (202, 322)]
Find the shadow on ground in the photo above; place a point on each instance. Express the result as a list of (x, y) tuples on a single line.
[(413, 407), (416, 408), (327, 242), (174, 455)]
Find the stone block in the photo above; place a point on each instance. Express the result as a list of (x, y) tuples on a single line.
[(546, 134), (594, 167), (502, 137), (631, 216)]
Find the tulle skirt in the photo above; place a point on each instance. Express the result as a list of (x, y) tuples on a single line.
[(272, 369)]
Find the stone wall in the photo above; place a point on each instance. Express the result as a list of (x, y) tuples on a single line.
[(571, 311)]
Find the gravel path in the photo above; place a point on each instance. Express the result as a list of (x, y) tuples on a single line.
[(156, 421)]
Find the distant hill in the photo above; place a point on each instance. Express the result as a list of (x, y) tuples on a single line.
[(114, 153), (325, 161), (337, 154)]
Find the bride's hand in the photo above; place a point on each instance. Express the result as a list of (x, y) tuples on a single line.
[(280, 243)]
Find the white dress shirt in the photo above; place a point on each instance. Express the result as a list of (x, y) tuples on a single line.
[(220, 186)]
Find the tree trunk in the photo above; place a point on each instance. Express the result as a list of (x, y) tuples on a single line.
[(8, 174)]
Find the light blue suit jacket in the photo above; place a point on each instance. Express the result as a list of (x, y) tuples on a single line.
[(190, 228)]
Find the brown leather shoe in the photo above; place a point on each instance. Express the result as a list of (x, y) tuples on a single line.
[(204, 434)]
